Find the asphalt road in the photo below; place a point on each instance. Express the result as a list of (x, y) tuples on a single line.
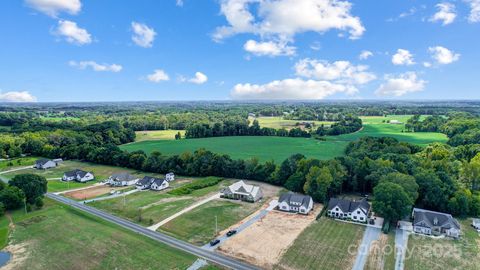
[(160, 237), (371, 234)]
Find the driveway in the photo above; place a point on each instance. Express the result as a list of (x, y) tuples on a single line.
[(243, 226), (17, 169), (112, 196), (371, 234), (401, 242)]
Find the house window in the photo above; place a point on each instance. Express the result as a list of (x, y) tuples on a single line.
[(361, 218), (358, 212)]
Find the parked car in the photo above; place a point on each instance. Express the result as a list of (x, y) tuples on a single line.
[(214, 242), (232, 232)]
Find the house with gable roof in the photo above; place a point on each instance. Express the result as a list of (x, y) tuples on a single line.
[(434, 223), (294, 202), (242, 191), (348, 209)]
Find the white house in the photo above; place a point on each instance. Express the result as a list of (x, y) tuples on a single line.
[(170, 177), (122, 179), (347, 209), (476, 223), (44, 164), (293, 202), (434, 223), (159, 184), (78, 175), (242, 191)]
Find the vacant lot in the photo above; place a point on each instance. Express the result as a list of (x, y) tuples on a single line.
[(264, 242), (279, 122), (279, 148), (91, 192), (382, 253), (324, 244), (198, 225), (59, 237), (149, 135), (425, 253)]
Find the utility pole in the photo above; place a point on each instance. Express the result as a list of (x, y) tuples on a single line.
[(25, 203), (124, 200), (216, 225)]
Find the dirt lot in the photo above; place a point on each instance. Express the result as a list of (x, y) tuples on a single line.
[(264, 242), (92, 192)]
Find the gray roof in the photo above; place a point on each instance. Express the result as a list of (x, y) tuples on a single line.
[(298, 199), (158, 181), (432, 218), (42, 161), (347, 205), (123, 177), (76, 172)]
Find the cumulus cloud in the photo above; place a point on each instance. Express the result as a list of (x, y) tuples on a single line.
[(199, 78), (443, 55), (54, 7), (338, 71), (180, 3), (290, 89), (427, 64), (17, 96), (143, 35), (474, 16), (157, 76), (445, 13), (268, 48), (364, 55), (403, 57), (95, 66), (400, 85), (72, 33), (268, 18)]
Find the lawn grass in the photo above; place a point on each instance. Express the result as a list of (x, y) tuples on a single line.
[(279, 123), (382, 253), (280, 148), (323, 245), (198, 225), (427, 253), (60, 237), (6, 165), (149, 135)]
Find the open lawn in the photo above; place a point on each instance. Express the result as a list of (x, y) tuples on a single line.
[(280, 148), (382, 253), (278, 122), (323, 245), (198, 225), (149, 207), (6, 165), (60, 237), (425, 253), (149, 135)]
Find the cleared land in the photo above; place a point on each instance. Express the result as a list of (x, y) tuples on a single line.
[(280, 148), (278, 122), (91, 192), (59, 237), (425, 253), (382, 253), (157, 135), (325, 244), (264, 242)]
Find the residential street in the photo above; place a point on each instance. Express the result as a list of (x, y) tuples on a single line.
[(371, 234), (160, 237)]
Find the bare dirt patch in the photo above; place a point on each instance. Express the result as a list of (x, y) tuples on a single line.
[(264, 242), (18, 253), (92, 192)]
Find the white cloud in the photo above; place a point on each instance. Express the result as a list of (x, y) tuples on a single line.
[(17, 96), (72, 33), (271, 20), (400, 85), (474, 16), (403, 57), (427, 64), (268, 48), (338, 71), (199, 78), (443, 55), (364, 55), (54, 7), (95, 66), (290, 89), (446, 13), (158, 75), (180, 3), (143, 35)]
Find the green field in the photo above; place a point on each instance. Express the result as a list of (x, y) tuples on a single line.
[(279, 122), (324, 243), (60, 237), (425, 253), (198, 225), (157, 135), (279, 148)]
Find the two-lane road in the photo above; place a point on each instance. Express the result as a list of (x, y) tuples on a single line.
[(160, 237)]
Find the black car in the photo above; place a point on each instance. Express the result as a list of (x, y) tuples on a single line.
[(232, 232), (214, 242)]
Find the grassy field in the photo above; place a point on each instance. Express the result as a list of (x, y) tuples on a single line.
[(198, 225), (60, 237), (382, 253), (323, 244), (279, 148), (279, 122), (16, 162), (157, 135), (425, 253), (149, 207)]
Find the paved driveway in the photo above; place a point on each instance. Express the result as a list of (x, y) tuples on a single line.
[(401, 242), (371, 234)]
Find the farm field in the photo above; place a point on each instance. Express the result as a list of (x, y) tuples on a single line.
[(60, 237), (157, 135), (425, 253), (198, 225), (278, 122), (280, 148), (382, 253), (324, 243)]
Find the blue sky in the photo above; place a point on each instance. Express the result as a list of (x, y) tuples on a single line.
[(86, 50)]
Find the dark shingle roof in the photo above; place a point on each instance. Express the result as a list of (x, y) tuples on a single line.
[(76, 172), (295, 198), (432, 218), (42, 161), (123, 177), (158, 181), (348, 205)]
